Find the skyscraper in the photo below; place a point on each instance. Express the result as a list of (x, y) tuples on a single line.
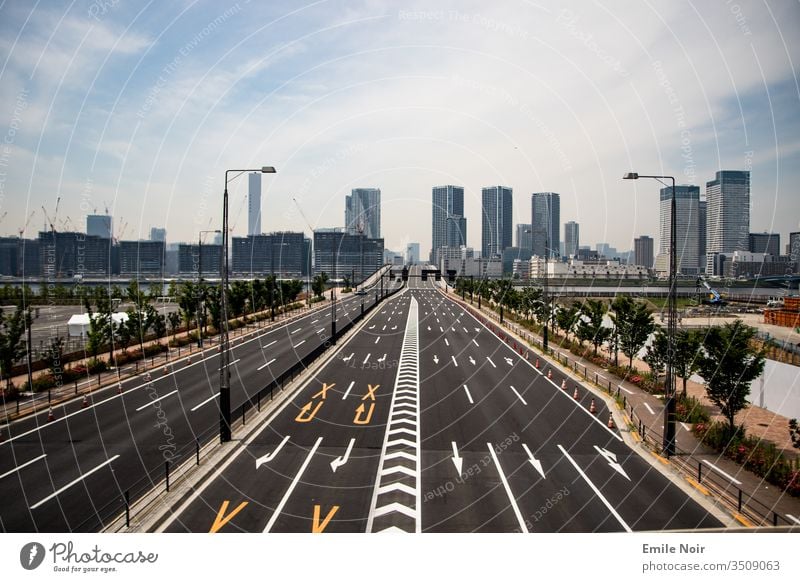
[(98, 225), (728, 220), (643, 251), (362, 212), (545, 221), (702, 225), (449, 226), (254, 204), (524, 236), (793, 249), (571, 238), (687, 231), (765, 243), (158, 234), (496, 211), (412, 253)]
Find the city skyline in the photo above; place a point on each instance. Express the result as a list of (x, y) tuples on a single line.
[(120, 111)]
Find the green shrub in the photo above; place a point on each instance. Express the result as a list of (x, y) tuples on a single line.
[(690, 410), (96, 366)]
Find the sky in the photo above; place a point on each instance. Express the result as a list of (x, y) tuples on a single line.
[(141, 107)]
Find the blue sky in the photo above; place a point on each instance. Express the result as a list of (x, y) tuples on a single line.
[(144, 106)]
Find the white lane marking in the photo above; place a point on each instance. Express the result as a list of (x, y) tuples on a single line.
[(299, 344), (625, 389), (579, 407), (383, 328), (469, 396), (476, 343), (156, 400), (447, 343), (366, 359), (265, 365), (295, 331), (320, 330), (686, 427), (457, 460), (596, 491), (537, 464), (522, 526), (723, 473), (339, 461), (348, 358), (23, 465), (204, 402), (382, 358), (611, 459), (491, 362), (268, 457), (465, 330), (650, 410), (269, 344), (441, 329), (288, 493), (71, 483), (377, 339), (454, 361), (233, 362), (315, 321), (435, 359), (347, 392), (514, 390), (472, 360), (793, 518)]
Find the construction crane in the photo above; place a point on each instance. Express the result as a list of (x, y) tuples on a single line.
[(51, 222), (66, 221), (712, 296), (27, 222)]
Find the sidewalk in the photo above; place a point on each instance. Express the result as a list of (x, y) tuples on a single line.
[(759, 503)]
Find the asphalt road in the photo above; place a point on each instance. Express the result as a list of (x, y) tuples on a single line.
[(71, 473), (426, 421)]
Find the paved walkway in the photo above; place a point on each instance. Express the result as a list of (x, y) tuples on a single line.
[(717, 474)]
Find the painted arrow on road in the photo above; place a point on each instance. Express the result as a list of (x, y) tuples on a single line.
[(435, 359), (339, 461), (537, 464), (394, 327), (382, 358), (371, 327), (267, 458), (612, 460), (471, 360), (509, 361), (457, 461), (348, 358)]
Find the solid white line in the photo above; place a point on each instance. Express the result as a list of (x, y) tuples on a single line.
[(347, 392), (476, 343), (513, 501), (288, 493), (367, 358), (269, 344), (650, 410), (454, 361), (295, 331), (299, 344), (23, 465), (156, 400), (447, 343), (721, 472), (490, 361), (793, 518), (377, 339), (78, 480), (206, 401), (625, 390), (469, 396), (597, 491), (265, 365), (514, 390)]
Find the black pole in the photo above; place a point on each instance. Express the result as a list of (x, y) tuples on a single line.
[(199, 290), (669, 380), (28, 322), (224, 372)]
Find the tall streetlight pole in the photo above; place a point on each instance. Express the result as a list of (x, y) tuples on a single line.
[(224, 344), (672, 320), (200, 303)]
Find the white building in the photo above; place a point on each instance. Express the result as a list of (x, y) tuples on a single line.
[(577, 269), (254, 204)]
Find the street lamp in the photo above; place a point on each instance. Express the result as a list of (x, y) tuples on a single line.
[(672, 320), (224, 344), (201, 315)]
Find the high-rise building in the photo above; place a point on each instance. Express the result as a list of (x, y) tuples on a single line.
[(765, 243), (571, 238), (253, 204), (687, 230), (159, 234), (643, 251), (794, 249), (143, 257), (277, 253), (702, 226), (728, 215), (412, 253), (496, 211), (338, 253), (546, 221), (449, 226), (189, 259), (362, 212), (524, 236), (98, 225)]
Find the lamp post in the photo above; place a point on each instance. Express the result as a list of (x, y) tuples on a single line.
[(672, 320), (200, 303), (224, 344)]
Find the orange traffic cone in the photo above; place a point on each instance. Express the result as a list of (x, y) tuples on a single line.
[(592, 407), (166, 369), (537, 363), (549, 374), (189, 360), (575, 394), (564, 384), (119, 389), (610, 421), (85, 403), (146, 377), (50, 416)]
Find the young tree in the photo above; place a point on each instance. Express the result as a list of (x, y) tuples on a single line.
[(97, 333), (729, 366), (567, 319), (318, 284), (174, 320), (687, 354), (590, 325), (12, 328), (634, 323), (125, 333), (656, 353)]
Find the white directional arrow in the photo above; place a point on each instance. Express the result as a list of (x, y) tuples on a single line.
[(382, 358), (477, 329), (509, 361), (348, 358), (269, 457), (612, 460), (537, 464), (394, 327), (429, 328), (371, 327), (471, 360), (435, 359), (457, 461), (339, 461)]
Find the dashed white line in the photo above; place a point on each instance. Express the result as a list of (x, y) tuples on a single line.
[(204, 402), (522, 525), (491, 362), (476, 343), (156, 400), (367, 358), (71, 483), (299, 344), (650, 410), (447, 343), (295, 331), (514, 390), (347, 392), (265, 365), (22, 466), (269, 344), (377, 339), (723, 473), (454, 361), (469, 396)]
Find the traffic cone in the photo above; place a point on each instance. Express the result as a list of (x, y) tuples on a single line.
[(549, 374), (610, 421), (189, 360), (592, 407), (85, 403), (537, 363), (146, 377), (564, 384), (119, 389), (166, 369), (575, 394), (50, 416)]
